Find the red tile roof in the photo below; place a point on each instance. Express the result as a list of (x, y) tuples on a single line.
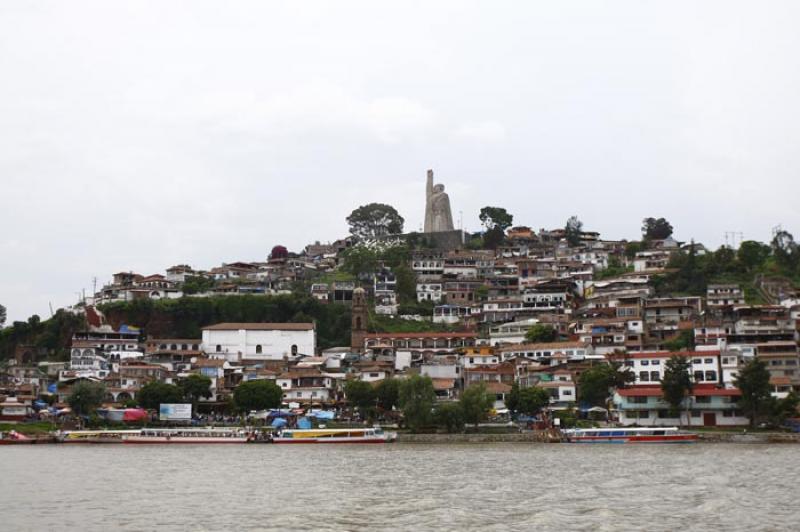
[(700, 390), (260, 327)]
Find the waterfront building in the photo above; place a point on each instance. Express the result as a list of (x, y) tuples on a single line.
[(708, 406)]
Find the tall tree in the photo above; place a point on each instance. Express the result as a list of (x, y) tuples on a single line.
[(375, 220), (786, 251), (388, 393), (676, 384), (476, 402), (416, 399), (573, 231), (257, 395), (86, 397), (450, 417), (656, 229), (595, 384), (196, 386), (753, 381), (2, 316), (541, 333), (359, 260), (360, 394), (492, 217), (752, 255), (532, 400), (153, 394)]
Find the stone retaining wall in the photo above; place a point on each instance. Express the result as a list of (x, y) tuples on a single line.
[(538, 437)]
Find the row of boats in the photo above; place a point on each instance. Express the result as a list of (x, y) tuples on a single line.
[(208, 436), (295, 436)]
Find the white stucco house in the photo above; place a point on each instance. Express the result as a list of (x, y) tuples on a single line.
[(258, 341)]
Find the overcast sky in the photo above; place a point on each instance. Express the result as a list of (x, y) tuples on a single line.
[(135, 136)]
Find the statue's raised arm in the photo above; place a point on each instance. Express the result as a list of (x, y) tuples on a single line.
[(429, 189)]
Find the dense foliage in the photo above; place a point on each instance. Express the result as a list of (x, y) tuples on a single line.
[(595, 384), (450, 417), (153, 394), (86, 397), (476, 403), (753, 381), (676, 384), (541, 333), (257, 395), (375, 220), (417, 397), (185, 317), (656, 229), (360, 394)]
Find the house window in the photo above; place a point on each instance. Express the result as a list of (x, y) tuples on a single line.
[(696, 413), (709, 361), (702, 400), (664, 414), (698, 376), (656, 362), (644, 376), (639, 400), (643, 414), (727, 413), (697, 361), (219, 348), (711, 375), (258, 349), (294, 350), (645, 362), (655, 376)]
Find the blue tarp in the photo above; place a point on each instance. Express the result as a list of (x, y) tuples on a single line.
[(279, 422), (322, 414), (53, 388), (303, 423)]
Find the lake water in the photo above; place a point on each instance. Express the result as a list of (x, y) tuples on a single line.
[(400, 487)]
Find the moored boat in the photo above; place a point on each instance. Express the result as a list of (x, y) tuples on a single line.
[(189, 435), (96, 436), (630, 435), (366, 435)]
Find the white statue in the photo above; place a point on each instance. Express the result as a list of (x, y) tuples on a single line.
[(438, 216)]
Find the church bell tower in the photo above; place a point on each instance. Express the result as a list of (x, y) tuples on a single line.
[(358, 325)]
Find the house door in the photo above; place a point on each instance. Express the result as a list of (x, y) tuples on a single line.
[(709, 419)]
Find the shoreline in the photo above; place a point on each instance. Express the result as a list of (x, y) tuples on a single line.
[(704, 437)]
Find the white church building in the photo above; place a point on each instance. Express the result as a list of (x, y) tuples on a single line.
[(258, 341)]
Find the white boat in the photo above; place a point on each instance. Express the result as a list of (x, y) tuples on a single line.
[(189, 435), (630, 435), (366, 435), (95, 436)]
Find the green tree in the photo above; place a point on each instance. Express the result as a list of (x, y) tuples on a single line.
[(785, 408), (753, 382), (406, 283), (532, 400), (632, 248), (375, 220), (360, 394), (512, 398), (359, 260), (752, 255), (656, 229), (786, 251), (476, 402), (495, 220), (258, 394), (388, 393), (416, 400), (155, 393), (573, 231), (492, 217), (676, 384), (196, 386), (450, 417), (682, 342), (86, 397), (197, 284), (595, 384), (2, 316), (541, 333)]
